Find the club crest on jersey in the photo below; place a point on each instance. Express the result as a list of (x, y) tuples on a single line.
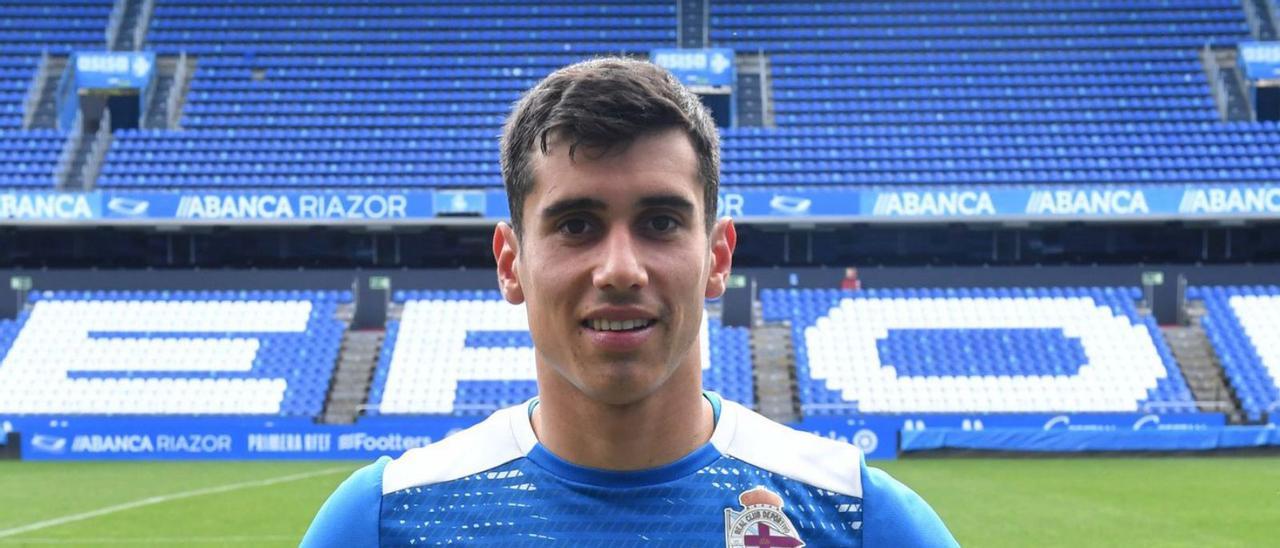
[(760, 522)]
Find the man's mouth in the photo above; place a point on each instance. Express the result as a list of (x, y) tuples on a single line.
[(617, 325)]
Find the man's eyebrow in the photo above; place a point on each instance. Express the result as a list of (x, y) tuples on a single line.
[(671, 201), (572, 204)]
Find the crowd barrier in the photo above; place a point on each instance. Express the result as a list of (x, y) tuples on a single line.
[(1078, 441), (276, 438)]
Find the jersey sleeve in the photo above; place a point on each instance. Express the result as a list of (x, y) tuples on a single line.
[(350, 517), (894, 515)]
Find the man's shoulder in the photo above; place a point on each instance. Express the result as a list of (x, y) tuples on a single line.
[(808, 458), (503, 437), (895, 515), (349, 518)]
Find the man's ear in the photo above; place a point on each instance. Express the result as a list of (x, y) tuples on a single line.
[(724, 238), (505, 251)]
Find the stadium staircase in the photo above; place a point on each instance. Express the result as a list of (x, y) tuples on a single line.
[(694, 23), (136, 16), (85, 155), (774, 358), (1227, 84), (173, 80), (357, 357), (1262, 18), (1203, 371), (754, 92), (45, 106)]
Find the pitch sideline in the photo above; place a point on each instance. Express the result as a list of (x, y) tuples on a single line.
[(151, 540), (160, 499)]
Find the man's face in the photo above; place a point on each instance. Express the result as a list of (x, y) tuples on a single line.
[(614, 264)]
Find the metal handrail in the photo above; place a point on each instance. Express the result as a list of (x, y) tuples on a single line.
[(114, 23), (68, 73), (97, 151), (1216, 405), (827, 406), (175, 92), (679, 23), (1275, 19), (1252, 18), (767, 117), (144, 21), (146, 105), (1242, 83), (35, 91), (63, 166), (1216, 85)]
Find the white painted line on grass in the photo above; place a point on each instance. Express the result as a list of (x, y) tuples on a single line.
[(167, 498), (154, 540)]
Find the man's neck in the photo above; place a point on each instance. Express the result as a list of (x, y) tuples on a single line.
[(658, 430)]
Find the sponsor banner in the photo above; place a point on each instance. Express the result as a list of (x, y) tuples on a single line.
[(68, 206), (104, 69), (951, 203), (270, 206), (877, 435), (460, 202), (709, 67), (226, 438), (1049, 202), (1230, 200), (1119, 202), (818, 204), (1068, 441), (1066, 421), (1261, 59), (787, 204), (215, 438)]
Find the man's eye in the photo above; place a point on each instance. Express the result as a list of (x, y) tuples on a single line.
[(574, 227), (663, 223)]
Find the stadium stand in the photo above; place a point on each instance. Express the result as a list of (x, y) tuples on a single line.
[(27, 31), (989, 92), (977, 350), (348, 89), (55, 26), (324, 94), (1241, 324), (469, 352), (30, 157), (879, 93), (9, 331), (171, 352)]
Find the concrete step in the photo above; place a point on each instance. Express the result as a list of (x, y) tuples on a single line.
[(1202, 370), (349, 388)]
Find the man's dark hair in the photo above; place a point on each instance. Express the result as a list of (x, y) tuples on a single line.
[(605, 103)]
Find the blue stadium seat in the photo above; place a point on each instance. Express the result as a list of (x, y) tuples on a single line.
[(480, 355), (172, 352), (1240, 324), (977, 350)]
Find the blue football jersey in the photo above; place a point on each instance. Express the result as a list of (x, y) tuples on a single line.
[(755, 483)]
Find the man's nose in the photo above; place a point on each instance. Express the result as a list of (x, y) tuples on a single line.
[(620, 265)]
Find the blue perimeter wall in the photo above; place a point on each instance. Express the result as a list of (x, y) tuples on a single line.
[(242, 438)]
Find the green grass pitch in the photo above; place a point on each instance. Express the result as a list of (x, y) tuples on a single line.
[(987, 502)]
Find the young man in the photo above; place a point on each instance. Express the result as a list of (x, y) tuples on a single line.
[(612, 171)]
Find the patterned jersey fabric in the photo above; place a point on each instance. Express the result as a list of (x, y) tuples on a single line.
[(755, 483)]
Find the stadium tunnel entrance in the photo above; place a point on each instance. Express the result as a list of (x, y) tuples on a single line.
[(1267, 101), (122, 103)]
